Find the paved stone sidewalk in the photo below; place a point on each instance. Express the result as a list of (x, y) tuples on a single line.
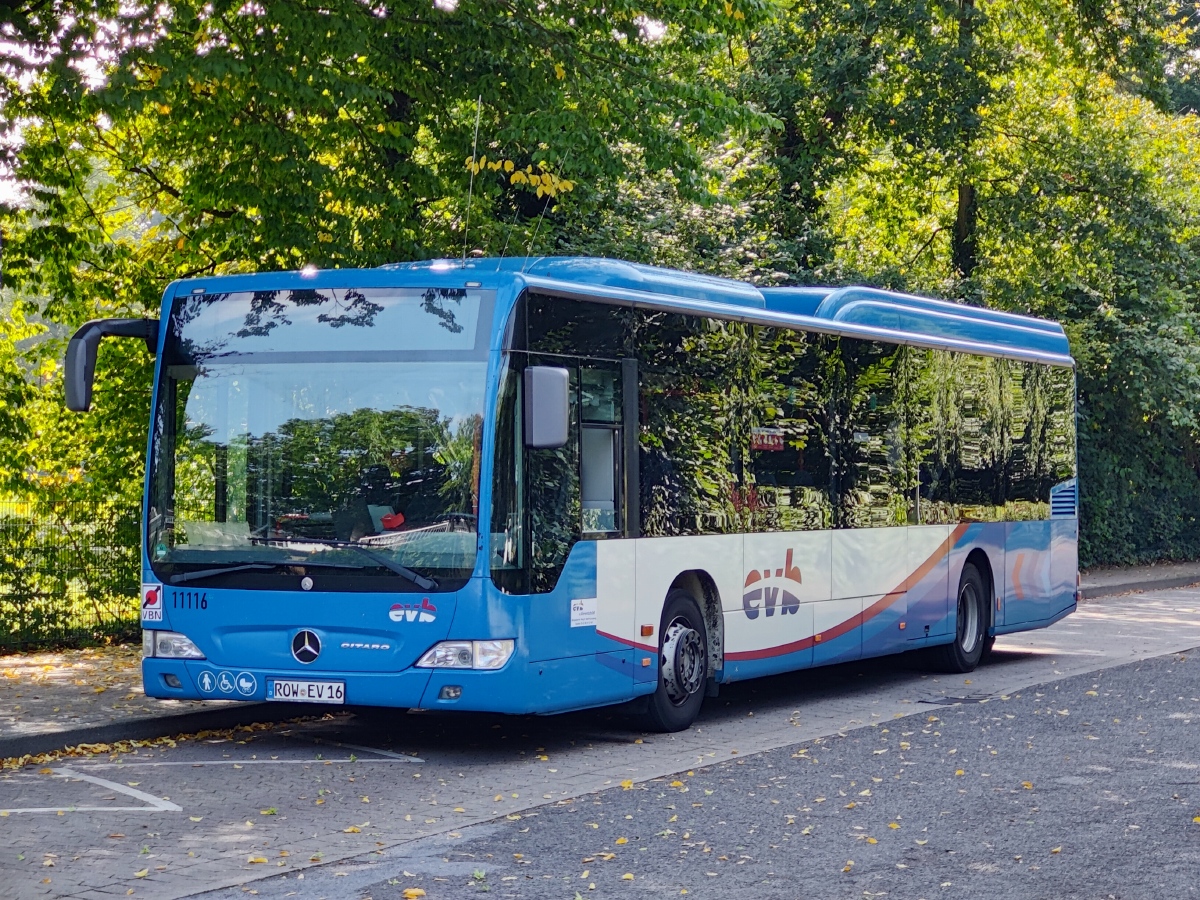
[(67, 691), (1104, 582)]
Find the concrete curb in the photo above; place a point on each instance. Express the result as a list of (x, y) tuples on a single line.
[(1094, 591), (159, 726)]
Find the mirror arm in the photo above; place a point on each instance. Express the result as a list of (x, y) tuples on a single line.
[(80, 363)]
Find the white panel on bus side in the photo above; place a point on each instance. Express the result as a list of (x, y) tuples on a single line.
[(786, 576), (869, 561), (616, 588), (928, 579), (660, 560)]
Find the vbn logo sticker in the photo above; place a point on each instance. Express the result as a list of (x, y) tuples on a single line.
[(764, 592)]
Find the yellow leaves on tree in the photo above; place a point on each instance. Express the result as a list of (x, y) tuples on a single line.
[(543, 183)]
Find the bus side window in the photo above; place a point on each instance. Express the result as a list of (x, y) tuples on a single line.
[(600, 449), (552, 494), (508, 557)]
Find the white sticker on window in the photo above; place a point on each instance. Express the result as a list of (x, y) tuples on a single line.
[(583, 612)]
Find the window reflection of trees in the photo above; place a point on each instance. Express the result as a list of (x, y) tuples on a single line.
[(747, 428), (268, 310), (409, 459)]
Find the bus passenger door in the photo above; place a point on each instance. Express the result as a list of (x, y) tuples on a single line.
[(608, 497)]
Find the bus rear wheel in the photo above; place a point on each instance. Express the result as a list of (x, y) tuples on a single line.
[(683, 666), (971, 625)]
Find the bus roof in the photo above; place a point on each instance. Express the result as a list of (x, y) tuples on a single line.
[(863, 312)]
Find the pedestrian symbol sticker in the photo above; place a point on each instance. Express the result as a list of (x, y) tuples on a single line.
[(246, 684), (207, 681), (225, 683)]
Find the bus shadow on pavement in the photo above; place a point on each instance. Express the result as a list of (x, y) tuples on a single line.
[(446, 733)]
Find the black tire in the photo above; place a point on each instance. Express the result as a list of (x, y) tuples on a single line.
[(682, 678), (988, 643), (971, 620)]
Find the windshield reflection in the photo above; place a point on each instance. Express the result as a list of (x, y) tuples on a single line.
[(319, 431)]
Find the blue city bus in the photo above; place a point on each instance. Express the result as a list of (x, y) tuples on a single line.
[(540, 485)]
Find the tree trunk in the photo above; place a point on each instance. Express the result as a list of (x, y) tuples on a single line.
[(963, 252), (963, 255)]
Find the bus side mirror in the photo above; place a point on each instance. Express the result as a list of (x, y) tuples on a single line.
[(80, 364), (547, 407)]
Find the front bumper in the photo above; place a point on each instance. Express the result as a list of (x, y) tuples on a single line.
[(521, 687)]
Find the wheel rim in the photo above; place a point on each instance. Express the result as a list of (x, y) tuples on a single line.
[(682, 661), (968, 618)]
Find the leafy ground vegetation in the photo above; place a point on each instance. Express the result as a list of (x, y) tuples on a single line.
[(1033, 156)]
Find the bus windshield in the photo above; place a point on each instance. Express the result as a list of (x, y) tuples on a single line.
[(325, 439)]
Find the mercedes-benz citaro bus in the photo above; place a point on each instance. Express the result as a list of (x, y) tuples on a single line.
[(539, 485)]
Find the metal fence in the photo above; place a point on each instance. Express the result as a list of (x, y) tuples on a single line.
[(68, 573)]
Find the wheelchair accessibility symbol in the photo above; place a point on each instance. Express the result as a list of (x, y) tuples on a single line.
[(225, 683), (207, 681)]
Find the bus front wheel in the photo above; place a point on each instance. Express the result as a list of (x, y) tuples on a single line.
[(971, 625), (683, 666)]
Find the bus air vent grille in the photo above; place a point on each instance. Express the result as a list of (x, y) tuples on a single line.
[(1064, 500)]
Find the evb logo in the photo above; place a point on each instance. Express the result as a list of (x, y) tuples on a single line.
[(764, 591)]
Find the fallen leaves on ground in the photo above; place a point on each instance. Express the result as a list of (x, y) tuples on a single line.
[(84, 750)]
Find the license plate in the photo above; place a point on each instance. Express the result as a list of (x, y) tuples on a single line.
[(306, 691)]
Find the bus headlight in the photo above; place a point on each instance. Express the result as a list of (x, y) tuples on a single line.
[(169, 645), (492, 654), (467, 655)]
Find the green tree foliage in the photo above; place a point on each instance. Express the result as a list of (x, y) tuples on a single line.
[(1026, 156), (161, 141), (1036, 156)]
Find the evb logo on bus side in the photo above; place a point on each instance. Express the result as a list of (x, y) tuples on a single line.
[(765, 591)]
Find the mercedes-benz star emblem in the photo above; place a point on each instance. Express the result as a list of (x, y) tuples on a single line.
[(306, 647)]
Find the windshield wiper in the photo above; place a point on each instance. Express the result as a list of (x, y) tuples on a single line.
[(421, 581), (221, 570), (243, 567)]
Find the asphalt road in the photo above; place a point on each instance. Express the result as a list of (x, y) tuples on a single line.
[(338, 808), (1086, 788)]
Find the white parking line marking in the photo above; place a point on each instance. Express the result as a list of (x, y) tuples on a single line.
[(156, 804), (197, 764), (67, 809), (388, 753)]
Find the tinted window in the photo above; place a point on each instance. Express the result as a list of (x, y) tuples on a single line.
[(508, 555), (552, 491), (575, 327), (867, 426), (934, 431), (693, 423), (789, 470)]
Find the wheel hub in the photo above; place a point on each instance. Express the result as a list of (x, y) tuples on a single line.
[(683, 662), (968, 618)]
